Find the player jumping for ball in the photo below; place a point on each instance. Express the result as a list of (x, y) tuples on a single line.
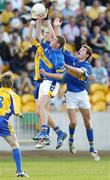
[(48, 55), (78, 70)]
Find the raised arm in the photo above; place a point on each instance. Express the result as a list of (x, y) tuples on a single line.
[(39, 29), (57, 24), (31, 27)]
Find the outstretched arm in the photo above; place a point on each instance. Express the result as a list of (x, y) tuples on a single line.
[(51, 75), (57, 24), (79, 72)]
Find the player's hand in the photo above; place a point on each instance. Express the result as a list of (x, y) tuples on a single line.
[(43, 72), (57, 22), (66, 66)]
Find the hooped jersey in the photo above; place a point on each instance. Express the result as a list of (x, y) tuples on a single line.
[(75, 83), (45, 57), (9, 103)]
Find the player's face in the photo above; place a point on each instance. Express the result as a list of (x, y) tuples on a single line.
[(54, 43), (82, 53)]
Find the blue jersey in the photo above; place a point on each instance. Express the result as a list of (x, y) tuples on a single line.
[(75, 83), (49, 59)]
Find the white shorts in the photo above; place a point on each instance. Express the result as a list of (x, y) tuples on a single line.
[(77, 100), (48, 88)]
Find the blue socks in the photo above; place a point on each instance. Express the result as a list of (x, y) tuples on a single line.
[(48, 130), (18, 159), (58, 130), (71, 134), (90, 139), (44, 129)]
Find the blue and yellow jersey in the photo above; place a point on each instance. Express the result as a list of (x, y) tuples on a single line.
[(75, 83), (9, 103), (47, 58)]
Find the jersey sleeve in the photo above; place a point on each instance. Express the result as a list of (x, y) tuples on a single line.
[(16, 104), (35, 46), (87, 70), (68, 57), (45, 44)]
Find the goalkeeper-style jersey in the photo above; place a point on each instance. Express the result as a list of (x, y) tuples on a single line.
[(9, 103), (49, 59)]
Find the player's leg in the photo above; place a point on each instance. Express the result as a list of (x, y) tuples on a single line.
[(40, 108), (72, 104), (89, 131), (72, 126), (60, 134), (43, 136), (12, 141)]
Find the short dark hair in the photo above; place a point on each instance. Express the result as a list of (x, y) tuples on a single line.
[(89, 50), (7, 80), (61, 41)]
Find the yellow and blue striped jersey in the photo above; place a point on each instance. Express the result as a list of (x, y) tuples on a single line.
[(9, 103), (75, 83), (47, 58)]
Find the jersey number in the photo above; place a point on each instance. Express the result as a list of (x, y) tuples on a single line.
[(1, 99)]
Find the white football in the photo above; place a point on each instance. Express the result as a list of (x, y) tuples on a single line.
[(38, 9)]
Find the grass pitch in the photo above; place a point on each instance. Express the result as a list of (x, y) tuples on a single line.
[(55, 166)]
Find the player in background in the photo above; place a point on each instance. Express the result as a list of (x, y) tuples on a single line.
[(10, 105), (48, 55), (78, 69)]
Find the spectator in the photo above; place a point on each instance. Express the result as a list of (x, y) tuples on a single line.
[(97, 40), (81, 11), (71, 30), (100, 21), (18, 62), (4, 49), (4, 34), (7, 13), (94, 10), (24, 30), (17, 4), (99, 73), (83, 38), (15, 23), (23, 84), (107, 40), (107, 18), (2, 5), (106, 60), (67, 11)]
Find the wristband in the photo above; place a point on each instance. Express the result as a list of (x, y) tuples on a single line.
[(33, 22)]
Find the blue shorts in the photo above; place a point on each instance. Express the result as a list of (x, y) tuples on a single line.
[(6, 127)]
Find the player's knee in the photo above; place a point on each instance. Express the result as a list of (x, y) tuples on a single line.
[(38, 112), (87, 124), (14, 144), (73, 124)]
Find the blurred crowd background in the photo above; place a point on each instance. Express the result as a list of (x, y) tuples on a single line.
[(85, 21)]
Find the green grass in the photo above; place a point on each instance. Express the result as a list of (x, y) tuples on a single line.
[(57, 167)]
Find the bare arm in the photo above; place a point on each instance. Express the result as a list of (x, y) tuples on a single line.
[(51, 75), (50, 29), (31, 27), (57, 24), (39, 29)]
